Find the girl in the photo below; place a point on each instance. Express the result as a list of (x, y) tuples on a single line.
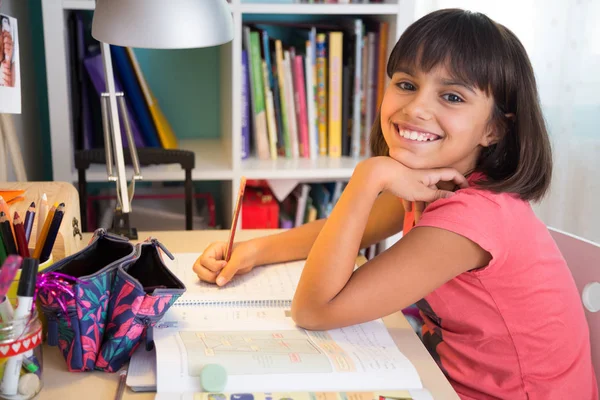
[(460, 129)]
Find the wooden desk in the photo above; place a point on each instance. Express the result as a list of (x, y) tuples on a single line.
[(61, 384)]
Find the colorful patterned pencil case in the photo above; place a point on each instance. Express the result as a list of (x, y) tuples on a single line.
[(74, 295), (142, 292)]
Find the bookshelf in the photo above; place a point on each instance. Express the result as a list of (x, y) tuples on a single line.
[(216, 159)]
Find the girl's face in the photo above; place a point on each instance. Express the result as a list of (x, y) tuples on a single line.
[(431, 120)]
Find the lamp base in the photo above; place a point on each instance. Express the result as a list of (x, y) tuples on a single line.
[(121, 225)]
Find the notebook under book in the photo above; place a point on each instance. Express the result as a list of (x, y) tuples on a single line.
[(246, 327)]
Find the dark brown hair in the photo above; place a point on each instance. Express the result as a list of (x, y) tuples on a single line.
[(486, 55)]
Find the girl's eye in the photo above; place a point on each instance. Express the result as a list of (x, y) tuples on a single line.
[(405, 85), (452, 98)]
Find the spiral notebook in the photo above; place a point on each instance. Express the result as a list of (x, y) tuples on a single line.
[(270, 286)]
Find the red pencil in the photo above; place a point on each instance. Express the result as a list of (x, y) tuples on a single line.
[(236, 213), (21, 240)]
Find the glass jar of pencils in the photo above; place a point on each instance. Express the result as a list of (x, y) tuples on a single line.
[(21, 357)]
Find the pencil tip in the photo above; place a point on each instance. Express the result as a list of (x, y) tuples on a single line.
[(32, 204)]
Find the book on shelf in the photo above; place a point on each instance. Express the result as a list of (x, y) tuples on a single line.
[(149, 126), (246, 328), (326, 81)]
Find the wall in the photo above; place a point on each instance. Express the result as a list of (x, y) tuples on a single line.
[(28, 122)]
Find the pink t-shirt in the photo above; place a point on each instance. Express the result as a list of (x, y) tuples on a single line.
[(515, 329)]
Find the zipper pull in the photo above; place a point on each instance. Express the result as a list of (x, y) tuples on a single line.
[(155, 242)]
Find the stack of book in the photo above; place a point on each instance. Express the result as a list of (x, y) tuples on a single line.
[(311, 90)]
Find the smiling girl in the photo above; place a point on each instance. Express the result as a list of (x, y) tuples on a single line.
[(460, 133)]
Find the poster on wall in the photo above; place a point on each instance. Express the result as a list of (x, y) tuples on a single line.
[(10, 80)]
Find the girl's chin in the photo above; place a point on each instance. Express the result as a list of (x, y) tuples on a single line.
[(411, 160)]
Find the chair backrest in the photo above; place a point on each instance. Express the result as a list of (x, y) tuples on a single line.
[(583, 259)]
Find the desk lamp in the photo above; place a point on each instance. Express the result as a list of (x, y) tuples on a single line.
[(154, 24)]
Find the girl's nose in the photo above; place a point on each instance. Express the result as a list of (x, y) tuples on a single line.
[(417, 108)]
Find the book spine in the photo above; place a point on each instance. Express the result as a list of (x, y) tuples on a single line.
[(313, 149), (245, 108), (335, 94), (322, 91), (282, 97), (289, 99), (301, 112), (261, 133), (271, 125), (358, 94)]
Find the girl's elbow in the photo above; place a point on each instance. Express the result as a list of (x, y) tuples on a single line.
[(307, 317)]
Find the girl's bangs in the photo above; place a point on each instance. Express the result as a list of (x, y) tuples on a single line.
[(466, 44)]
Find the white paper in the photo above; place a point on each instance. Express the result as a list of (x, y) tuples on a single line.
[(271, 285), (358, 358), (141, 373), (10, 78)]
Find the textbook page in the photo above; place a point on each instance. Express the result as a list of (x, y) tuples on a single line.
[(275, 355), (272, 285), (414, 394)]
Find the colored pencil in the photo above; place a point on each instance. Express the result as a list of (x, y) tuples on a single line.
[(9, 240), (236, 213), (39, 245), (20, 236), (29, 218), (41, 217), (4, 207), (52, 233), (3, 254)]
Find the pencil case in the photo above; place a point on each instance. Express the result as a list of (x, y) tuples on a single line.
[(74, 294), (142, 292)]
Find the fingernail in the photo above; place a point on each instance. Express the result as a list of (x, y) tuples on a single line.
[(223, 263), (220, 281)]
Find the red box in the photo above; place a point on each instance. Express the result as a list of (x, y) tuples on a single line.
[(260, 209)]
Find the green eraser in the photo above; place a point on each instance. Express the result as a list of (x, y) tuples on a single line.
[(213, 378)]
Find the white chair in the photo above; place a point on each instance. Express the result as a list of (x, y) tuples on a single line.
[(583, 258)]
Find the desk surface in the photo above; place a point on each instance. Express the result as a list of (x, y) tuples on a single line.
[(61, 384)]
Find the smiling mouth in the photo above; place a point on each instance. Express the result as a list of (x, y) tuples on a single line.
[(416, 135)]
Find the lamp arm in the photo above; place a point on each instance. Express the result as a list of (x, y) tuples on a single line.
[(117, 144)]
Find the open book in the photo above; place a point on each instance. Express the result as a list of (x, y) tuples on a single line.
[(246, 328)]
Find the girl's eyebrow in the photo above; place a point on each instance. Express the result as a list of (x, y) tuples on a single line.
[(454, 82)]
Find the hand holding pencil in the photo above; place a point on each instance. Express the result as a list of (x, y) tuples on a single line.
[(221, 261)]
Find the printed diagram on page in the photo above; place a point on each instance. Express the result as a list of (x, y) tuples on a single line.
[(264, 352)]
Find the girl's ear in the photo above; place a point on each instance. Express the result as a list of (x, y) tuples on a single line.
[(496, 131), (492, 136)]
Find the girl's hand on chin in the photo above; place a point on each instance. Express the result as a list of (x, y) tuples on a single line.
[(408, 184)]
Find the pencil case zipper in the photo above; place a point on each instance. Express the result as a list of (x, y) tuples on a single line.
[(148, 322)]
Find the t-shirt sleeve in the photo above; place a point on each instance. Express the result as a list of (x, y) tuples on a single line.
[(475, 215)]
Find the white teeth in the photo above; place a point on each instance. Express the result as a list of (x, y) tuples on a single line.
[(413, 135)]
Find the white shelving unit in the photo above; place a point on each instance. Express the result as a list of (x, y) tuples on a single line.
[(216, 159)]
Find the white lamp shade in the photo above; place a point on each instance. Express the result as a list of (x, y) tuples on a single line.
[(162, 24)]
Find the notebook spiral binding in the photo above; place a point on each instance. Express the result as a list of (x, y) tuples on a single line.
[(236, 303)]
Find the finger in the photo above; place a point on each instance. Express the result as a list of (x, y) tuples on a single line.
[(407, 205), (446, 175), (419, 208), (211, 263), (206, 275), (227, 273), (432, 195)]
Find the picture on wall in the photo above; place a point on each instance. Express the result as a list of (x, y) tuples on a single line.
[(10, 80)]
